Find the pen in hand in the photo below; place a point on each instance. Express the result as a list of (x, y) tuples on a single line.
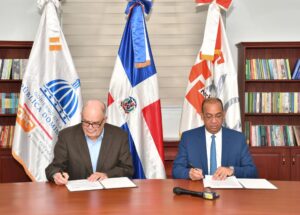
[(195, 173), (62, 174), (192, 166), (195, 168)]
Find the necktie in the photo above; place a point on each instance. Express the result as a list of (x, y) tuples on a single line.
[(213, 157)]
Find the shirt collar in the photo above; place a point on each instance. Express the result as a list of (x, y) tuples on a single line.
[(218, 134), (99, 138)]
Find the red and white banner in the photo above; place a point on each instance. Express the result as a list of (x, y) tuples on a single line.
[(213, 75)]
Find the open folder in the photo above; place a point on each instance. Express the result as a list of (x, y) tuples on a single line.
[(108, 183), (233, 182)]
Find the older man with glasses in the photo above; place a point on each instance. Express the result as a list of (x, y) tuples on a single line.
[(92, 150), (213, 149)]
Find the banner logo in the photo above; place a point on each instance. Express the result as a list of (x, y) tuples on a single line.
[(62, 96), (55, 44), (23, 119)]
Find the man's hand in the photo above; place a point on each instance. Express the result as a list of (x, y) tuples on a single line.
[(222, 173), (97, 176), (61, 178), (195, 174)]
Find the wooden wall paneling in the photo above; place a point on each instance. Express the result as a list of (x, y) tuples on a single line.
[(93, 30)]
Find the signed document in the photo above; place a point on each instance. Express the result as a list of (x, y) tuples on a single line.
[(233, 182), (229, 182), (83, 184), (256, 183), (108, 183), (121, 182)]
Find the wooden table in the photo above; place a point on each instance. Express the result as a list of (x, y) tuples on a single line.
[(151, 197)]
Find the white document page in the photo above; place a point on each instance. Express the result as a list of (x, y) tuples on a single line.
[(83, 184), (121, 182), (257, 183), (229, 182)]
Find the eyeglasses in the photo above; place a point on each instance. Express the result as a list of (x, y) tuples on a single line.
[(218, 116), (93, 124)]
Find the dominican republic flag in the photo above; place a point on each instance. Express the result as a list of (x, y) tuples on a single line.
[(133, 99), (50, 97), (213, 74)]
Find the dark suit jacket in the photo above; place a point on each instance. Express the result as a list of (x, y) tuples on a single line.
[(192, 150), (71, 154)]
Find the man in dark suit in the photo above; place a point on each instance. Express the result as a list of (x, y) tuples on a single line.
[(77, 153), (231, 155)]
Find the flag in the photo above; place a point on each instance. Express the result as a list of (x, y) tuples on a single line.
[(213, 74), (133, 99), (50, 97)]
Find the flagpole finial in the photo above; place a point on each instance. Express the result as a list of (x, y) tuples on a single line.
[(135, 11), (41, 4), (224, 4), (146, 4)]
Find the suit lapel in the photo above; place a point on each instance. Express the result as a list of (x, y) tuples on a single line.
[(104, 147), (203, 150), (225, 149), (84, 150)]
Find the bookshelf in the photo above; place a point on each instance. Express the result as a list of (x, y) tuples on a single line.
[(11, 170), (273, 162)]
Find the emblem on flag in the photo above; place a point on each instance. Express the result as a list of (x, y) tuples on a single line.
[(128, 104), (54, 44), (62, 96)]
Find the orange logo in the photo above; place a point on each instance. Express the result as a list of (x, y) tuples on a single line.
[(55, 44), (24, 120), (194, 97)]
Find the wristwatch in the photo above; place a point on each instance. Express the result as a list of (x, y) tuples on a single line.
[(232, 168)]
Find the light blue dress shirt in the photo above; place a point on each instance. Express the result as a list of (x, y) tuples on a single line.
[(94, 149)]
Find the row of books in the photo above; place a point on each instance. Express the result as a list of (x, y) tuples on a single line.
[(267, 69), (9, 103), (6, 136), (296, 73), (272, 102), (272, 135), (12, 68)]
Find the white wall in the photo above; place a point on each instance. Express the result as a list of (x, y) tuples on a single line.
[(262, 20), (19, 19)]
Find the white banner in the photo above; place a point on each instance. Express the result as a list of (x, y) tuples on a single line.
[(50, 97)]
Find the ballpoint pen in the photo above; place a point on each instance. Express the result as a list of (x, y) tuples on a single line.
[(192, 166), (62, 174), (195, 168)]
